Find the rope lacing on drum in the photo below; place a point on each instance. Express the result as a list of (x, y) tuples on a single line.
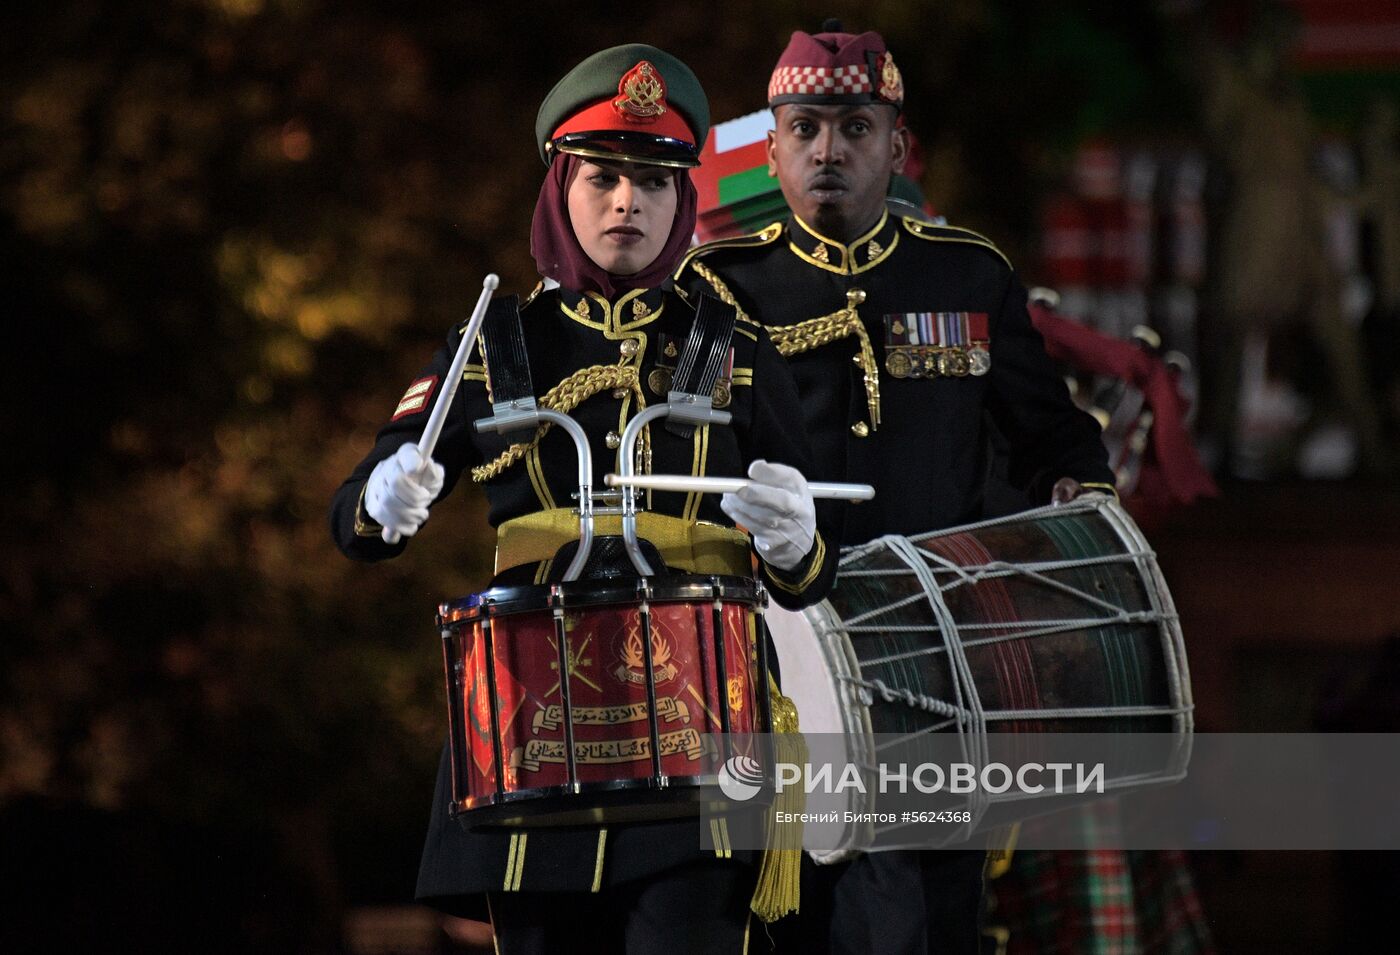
[(969, 720), (922, 701), (1035, 571), (972, 722), (1023, 629)]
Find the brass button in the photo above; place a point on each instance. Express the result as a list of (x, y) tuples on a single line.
[(629, 347), (619, 393), (860, 429), (854, 297), (613, 440)]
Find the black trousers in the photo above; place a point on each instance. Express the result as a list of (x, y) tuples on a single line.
[(701, 908), (895, 903)]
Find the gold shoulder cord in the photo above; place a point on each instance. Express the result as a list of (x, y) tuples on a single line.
[(816, 332), (565, 397), (794, 339), (721, 290)]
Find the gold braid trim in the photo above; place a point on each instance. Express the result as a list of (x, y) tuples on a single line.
[(565, 397), (816, 332), (721, 290), (804, 336)]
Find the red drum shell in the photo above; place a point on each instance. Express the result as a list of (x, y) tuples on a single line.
[(509, 759)]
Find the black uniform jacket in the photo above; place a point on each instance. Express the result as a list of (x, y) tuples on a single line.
[(927, 455), (602, 355)]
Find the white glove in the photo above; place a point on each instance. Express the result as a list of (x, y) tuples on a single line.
[(397, 495), (777, 509)]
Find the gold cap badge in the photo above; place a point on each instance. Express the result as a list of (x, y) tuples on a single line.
[(891, 83), (641, 94)]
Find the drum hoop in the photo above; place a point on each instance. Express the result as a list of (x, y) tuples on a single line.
[(839, 655), (658, 784), (679, 588), (1173, 642)]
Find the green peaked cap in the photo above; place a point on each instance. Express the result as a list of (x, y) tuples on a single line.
[(596, 118)]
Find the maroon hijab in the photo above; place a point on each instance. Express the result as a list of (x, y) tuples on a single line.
[(558, 255)]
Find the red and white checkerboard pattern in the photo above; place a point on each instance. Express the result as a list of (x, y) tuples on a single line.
[(820, 81)]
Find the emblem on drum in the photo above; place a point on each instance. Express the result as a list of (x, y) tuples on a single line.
[(632, 655), (740, 778), (736, 694), (576, 659)]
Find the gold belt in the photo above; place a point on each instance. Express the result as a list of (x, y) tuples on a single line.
[(694, 547)]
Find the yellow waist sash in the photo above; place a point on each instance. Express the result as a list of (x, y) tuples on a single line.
[(694, 547)]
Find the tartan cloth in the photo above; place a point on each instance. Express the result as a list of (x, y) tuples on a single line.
[(1098, 901)]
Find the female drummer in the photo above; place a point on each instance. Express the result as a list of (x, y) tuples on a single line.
[(604, 331)]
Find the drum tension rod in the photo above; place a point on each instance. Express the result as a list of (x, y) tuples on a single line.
[(765, 701), (644, 614), (561, 639), (455, 668), (721, 671), (490, 666)]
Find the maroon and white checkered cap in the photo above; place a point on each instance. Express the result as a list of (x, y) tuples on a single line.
[(836, 68)]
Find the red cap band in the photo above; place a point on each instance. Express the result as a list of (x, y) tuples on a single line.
[(602, 116)]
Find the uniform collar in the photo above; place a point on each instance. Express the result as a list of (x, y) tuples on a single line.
[(866, 252), (629, 309)]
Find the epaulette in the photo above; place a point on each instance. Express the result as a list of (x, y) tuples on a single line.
[(764, 236), (950, 233)]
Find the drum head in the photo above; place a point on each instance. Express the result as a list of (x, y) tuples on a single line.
[(816, 663)]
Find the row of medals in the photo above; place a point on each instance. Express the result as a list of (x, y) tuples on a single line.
[(925, 361), (909, 361)]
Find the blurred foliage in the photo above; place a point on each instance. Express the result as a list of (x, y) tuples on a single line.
[(232, 230)]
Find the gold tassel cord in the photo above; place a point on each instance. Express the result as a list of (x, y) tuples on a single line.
[(816, 332), (779, 889), (804, 336), (565, 397), (1001, 845), (721, 290)]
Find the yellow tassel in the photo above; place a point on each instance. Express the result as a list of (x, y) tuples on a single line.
[(779, 890), (1001, 845)]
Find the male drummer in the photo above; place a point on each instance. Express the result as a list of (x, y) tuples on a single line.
[(904, 338)]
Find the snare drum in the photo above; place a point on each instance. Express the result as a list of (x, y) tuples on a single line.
[(664, 681), (1055, 620)]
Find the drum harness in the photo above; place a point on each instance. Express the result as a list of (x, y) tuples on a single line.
[(689, 403)]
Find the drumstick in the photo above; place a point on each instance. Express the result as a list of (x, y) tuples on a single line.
[(685, 483), (433, 430)]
